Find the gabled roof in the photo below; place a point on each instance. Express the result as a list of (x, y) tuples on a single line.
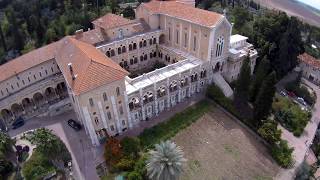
[(110, 21), (183, 11), (26, 61), (308, 59), (91, 67)]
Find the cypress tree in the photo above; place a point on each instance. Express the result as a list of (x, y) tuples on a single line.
[(261, 73), (263, 102), (243, 82)]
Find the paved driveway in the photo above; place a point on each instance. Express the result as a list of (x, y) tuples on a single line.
[(78, 143)]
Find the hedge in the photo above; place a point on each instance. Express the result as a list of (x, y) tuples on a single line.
[(168, 129)]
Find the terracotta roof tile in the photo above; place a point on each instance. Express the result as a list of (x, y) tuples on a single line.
[(183, 11), (110, 21), (27, 61), (306, 58), (93, 36), (91, 67)]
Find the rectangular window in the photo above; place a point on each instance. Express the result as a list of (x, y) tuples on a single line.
[(109, 115), (121, 110), (177, 38), (185, 39), (118, 91), (169, 34), (194, 43)]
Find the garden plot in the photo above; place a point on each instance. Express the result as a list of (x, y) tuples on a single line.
[(216, 147)]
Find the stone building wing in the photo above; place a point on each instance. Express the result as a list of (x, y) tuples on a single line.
[(90, 67), (183, 11), (27, 61)]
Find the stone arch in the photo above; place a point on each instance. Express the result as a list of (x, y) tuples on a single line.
[(27, 104), (17, 109), (162, 39), (50, 94), (38, 99), (61, 89), (6, 115), (217, 67)]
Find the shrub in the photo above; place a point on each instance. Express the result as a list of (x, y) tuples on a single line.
[(282, 153), (37, 167), (125, 164), (270, 132), (290, 115), (6, 167), (130, 147), (134, 176), (113, 152)]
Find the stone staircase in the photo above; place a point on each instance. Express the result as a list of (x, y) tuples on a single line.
[(222, 84)]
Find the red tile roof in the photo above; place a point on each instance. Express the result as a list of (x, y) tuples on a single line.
[(183, 11), (110, 21), (308, 59), (27, 61), (91, 67)]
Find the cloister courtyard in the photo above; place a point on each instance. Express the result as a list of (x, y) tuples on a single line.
[(217, 147)]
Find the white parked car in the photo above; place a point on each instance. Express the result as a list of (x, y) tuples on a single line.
[(301, 100)]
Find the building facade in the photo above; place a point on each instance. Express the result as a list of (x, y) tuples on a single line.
[(126, 71), (310, 67)]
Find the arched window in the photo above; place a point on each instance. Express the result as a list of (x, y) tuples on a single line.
[(134, 46), (135, 60), (141, 58), (144, 43), (219, 47), (124, 49), (154, 40), (130, 47), (140, 44), (145, 57), (150, 42)]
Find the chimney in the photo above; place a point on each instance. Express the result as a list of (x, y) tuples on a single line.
[(79, 33), (71, 71)]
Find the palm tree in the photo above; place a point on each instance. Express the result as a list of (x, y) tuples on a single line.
[(165, 162)]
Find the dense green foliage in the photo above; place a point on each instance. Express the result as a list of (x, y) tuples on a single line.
[(165, 161), (27, 25), (263, 102), (270, 132), (290, 115), (282, 153), (243, 82), (6, 167), (40, 164), (261, 73), (48, 143), (37, 166), (165, 130)]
